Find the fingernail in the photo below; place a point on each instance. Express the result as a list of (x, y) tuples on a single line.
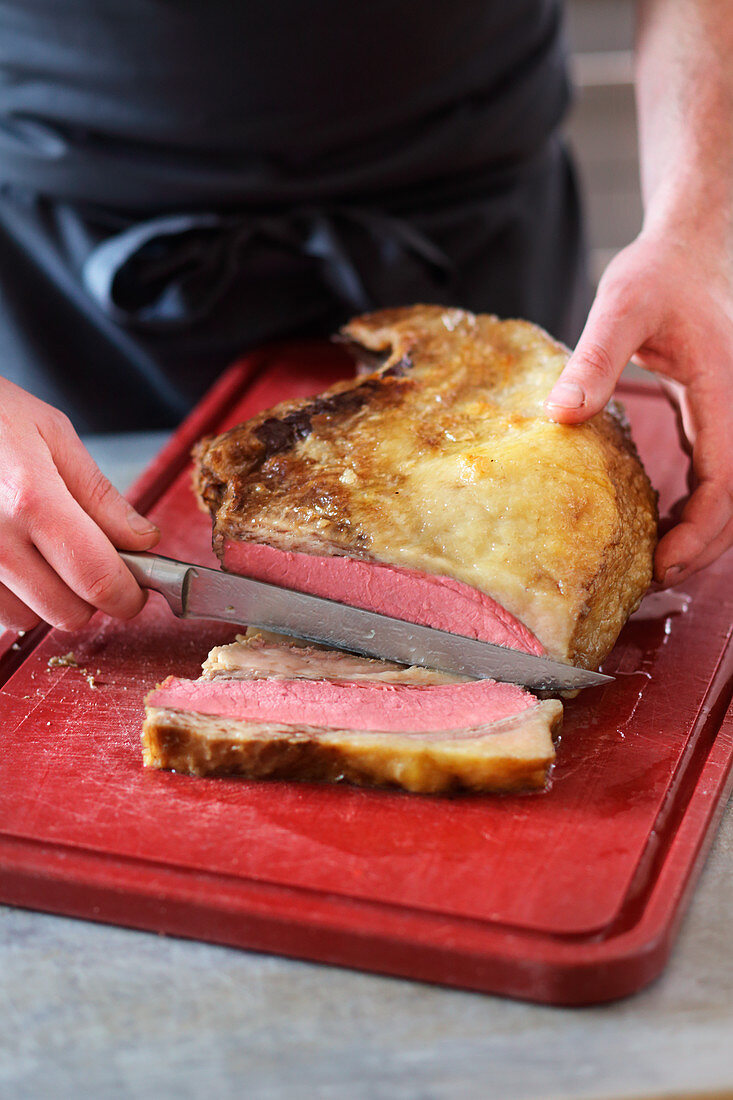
[(566, 395), (139, 524), (673, 574)]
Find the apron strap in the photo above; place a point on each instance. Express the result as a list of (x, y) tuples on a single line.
[(170, 271)]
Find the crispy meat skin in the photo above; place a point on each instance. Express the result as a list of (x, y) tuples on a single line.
[(443, 461)]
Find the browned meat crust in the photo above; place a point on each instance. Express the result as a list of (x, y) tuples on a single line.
[(511, 755), (443, 460)]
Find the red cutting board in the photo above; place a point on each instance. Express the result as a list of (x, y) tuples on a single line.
[(571, 896)]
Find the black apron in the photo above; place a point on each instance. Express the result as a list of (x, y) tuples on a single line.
[(182, 181)]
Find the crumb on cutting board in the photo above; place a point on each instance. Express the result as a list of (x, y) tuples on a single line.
[(65, 660), (68, 660)]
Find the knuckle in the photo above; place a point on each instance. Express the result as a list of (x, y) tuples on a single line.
[(59, 420), (628, 298), (100, 492), (54, 427), (597, 361), (23, 499), (617, 290), (103, 587)]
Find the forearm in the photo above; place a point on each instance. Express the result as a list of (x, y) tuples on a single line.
[(684, 82)]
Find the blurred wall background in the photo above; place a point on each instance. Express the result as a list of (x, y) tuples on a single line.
[(602, 125)]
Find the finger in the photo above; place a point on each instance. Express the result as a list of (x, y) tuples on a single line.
[(35, 585), (84, 558), (125, 528), (712, 552), (613, 332), (72, 544), (14, 615), (706, 517), (677, 397), (705, 532)]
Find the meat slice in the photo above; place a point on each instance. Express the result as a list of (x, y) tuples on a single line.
[(364, 705), (438, 485), (281, 711), (410, 594), (255, 658)]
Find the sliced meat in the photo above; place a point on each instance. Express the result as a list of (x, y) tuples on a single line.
[(410, 594), (347, 705), (511, 754), (417, 732), (256, 658)]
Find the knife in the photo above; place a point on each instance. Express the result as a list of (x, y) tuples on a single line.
[(195, 592)]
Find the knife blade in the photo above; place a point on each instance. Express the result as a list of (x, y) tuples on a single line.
[(196, 592)]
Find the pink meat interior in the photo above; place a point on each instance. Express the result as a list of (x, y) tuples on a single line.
[(360, 705), (408, 594)]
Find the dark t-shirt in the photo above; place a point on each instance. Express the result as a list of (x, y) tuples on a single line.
[(180, 180)]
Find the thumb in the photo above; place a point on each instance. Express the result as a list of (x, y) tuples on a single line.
[(610, 337)]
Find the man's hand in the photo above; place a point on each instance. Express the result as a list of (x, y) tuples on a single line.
[(667, 300), (60, 521), (662, 304)]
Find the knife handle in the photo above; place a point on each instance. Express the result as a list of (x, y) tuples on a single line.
[(163, 575)]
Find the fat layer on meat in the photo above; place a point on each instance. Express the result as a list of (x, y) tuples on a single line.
[(254, 657)]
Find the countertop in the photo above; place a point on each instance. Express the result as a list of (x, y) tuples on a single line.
[(96, 1011)]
